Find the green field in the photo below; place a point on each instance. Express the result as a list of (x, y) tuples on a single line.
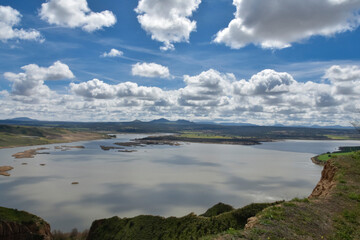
[(340, 137), (326, 156)]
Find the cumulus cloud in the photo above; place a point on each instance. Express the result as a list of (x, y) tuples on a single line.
[(265, 82), (345, 79), (30, 83), (209, 88), (98, 89), (113, 53), (167, 21), (338, 73), (267, 97), (9, 18), (150, 70), (75, 13), (277, 24)]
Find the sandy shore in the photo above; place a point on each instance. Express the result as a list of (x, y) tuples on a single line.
[(28, 153)]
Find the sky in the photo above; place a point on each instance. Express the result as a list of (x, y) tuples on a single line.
[(262, 62)]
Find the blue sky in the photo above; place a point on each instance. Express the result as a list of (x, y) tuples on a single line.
[(255, 61)]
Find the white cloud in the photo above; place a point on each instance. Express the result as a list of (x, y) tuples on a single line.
[(265, 82), (113, 53), (338, 73), (167, 21), (9, 18), (210, 88), (98, 89), (268, 97), (75, 13), (345, 79), (278, 23), (30, 83), (150, 70)]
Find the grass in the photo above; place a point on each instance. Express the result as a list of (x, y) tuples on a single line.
[(13, 215), (335, 216), (16, 136), (339, 137), (188, 227), (326, 156)]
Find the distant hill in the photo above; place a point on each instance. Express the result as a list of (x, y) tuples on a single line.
[(22, 119), (238, 124), (160, 120), (166, 121)]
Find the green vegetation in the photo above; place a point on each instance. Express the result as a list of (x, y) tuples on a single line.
[(193, 130), (342, 152), (16, 224), (188, 227), (15, 136), (13, 215), (340, 137), (334, 215), (217, 210), (326, 156)]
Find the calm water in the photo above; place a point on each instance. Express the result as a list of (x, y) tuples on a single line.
[(158, 180)]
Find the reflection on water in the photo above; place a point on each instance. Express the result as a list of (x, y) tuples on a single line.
[(159, 180)]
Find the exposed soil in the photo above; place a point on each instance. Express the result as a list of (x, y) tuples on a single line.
[(4, 170), (66, 148), (326, 183), (28, 153)]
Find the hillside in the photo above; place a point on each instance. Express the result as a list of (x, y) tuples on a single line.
[(16, 136), (20, 225), (181, 126), (332, 211)]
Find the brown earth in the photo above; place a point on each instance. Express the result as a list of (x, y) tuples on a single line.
[(21, 225), (4, 170), (66, 148), (21, 231), (28, 153), (326, 183)]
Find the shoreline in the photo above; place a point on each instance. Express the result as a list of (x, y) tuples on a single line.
[(76, 139)]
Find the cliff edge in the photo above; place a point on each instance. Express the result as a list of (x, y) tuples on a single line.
[(21, 225)]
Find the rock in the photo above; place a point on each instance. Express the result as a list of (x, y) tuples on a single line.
[(28, 153), (251, 222), (22, 226), (4, 170)]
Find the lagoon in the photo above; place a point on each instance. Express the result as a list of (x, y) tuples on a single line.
[(156, 179)]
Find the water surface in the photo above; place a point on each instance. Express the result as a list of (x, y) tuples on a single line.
[(158, 180)]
